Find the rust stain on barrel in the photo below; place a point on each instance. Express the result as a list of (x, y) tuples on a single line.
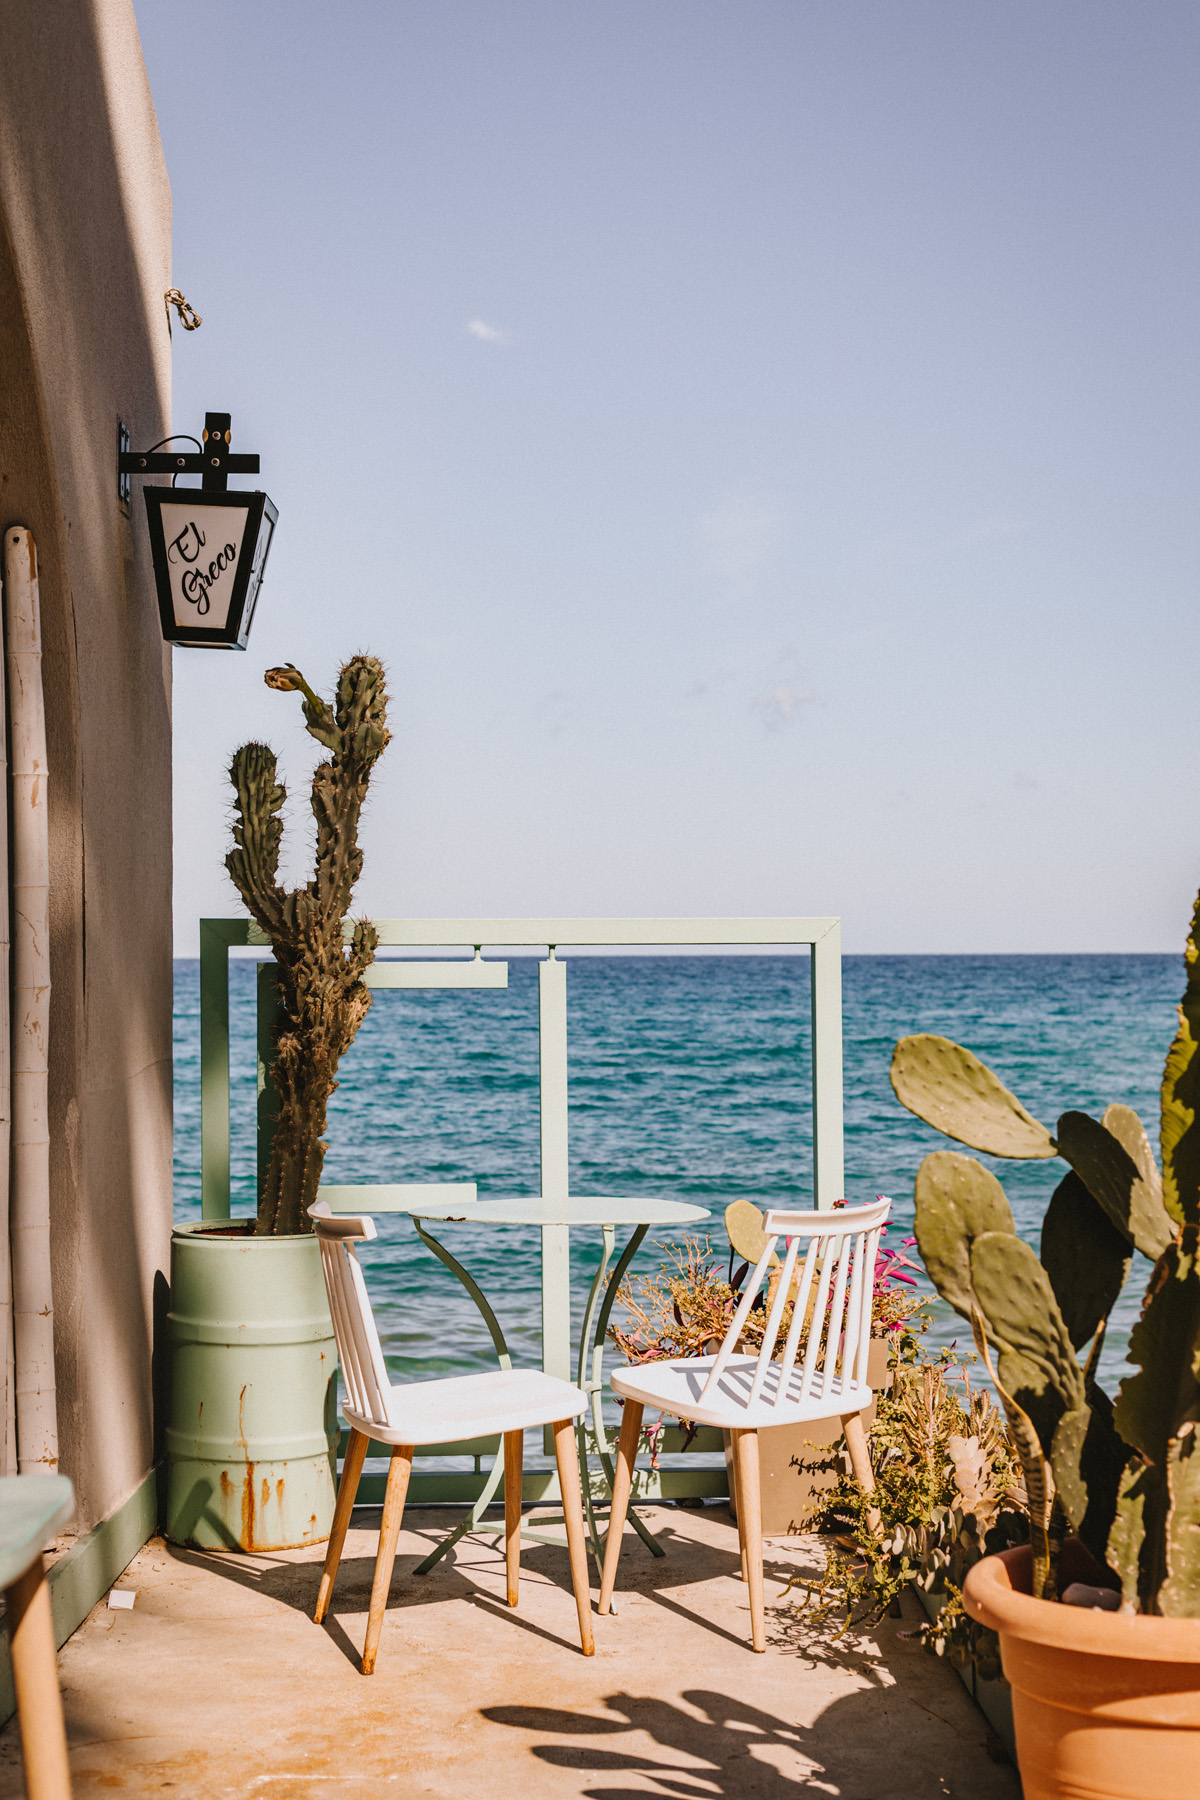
[(248, 1510)]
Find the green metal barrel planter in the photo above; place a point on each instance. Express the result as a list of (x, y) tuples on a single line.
[(252, 1438)]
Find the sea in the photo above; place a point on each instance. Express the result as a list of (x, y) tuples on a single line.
[(689, 1079)]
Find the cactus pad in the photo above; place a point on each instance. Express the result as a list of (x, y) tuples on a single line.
[(1181, 1096), (1113, 1178), (1085, 1256), (1036, 1360), (954, 1092), (1130, 1133), (957, 1200), (744, 1227)]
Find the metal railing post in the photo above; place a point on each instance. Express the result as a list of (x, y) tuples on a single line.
[(556, 1239), (267, 1025), (829, 1168), (214, 1069)]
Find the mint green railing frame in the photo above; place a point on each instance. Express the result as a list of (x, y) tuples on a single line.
[(823, 938)]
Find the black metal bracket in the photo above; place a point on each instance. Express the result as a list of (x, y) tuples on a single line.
[(124, 484), (215, 463)]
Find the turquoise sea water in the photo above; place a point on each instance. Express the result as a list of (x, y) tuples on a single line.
[(689, 1079)]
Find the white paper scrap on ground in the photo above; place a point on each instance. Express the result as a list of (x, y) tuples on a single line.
[(121, 1599)]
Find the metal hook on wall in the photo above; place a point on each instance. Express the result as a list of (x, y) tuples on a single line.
[(189, 318)]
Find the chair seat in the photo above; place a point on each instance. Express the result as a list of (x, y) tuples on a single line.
[(674, 1387), (467, 1406)]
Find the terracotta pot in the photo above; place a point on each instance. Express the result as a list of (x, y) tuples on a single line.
[(1106, 1705)]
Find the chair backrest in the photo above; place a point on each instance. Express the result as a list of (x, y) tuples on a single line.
[(364, 1373), (841, 1246)]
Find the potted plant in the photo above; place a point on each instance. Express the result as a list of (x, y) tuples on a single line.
[(1099, 1615), (684, 1309), (252, 1438), (948, 1490)]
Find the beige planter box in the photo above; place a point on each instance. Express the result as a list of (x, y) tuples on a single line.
[(789, 1456)]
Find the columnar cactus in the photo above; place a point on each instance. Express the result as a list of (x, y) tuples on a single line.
[(1125, 1478), (322, 999)]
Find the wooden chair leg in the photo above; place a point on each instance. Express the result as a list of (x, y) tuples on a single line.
[(737, 1507), (514, 1446), (860, 1462), (399, 1470), (35, 1683), (566, 1457), (352, 1463), (631, 1431), (745, 1450)]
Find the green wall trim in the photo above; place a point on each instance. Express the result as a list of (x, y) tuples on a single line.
[(540, 1487), (85, 1572)]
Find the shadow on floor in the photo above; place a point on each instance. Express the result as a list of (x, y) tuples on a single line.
[(715, 1745), (662, 1580)]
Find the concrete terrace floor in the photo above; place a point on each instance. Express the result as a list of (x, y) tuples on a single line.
[(218, 1684)]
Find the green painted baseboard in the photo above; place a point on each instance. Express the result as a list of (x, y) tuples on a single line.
[(453, 1487), (85, 1572), (540, 1486)]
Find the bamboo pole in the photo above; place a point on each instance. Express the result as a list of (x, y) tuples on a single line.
[(29, 1207), (8, 1408)]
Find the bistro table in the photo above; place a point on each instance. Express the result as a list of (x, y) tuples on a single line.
[(555, 1218)]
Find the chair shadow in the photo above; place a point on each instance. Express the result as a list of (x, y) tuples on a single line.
[(295, 1584), (687, 1561), (715, 1744)]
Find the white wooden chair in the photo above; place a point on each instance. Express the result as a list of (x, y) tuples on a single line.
[(831, 1323), (434, 1412)]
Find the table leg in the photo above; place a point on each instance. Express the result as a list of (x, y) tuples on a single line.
[(35, 1683), (472, 1287), (598, 1309), (608, 1242), (595, 1385)]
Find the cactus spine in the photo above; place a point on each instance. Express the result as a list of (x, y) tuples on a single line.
[(322, 999), (1125, 1477)]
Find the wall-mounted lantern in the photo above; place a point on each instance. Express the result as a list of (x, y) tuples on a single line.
[(209, 545)]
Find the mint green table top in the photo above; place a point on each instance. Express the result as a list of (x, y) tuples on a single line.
[(576, 1209), (457, 1202), (32, 1507)]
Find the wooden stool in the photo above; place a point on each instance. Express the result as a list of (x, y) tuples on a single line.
[(32, 1507)]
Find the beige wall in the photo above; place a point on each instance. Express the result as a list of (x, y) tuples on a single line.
[(85, 248)]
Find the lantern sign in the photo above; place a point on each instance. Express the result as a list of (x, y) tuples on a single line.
[(209, 545), (209, 552)]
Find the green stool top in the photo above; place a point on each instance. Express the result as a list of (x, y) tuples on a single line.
[(32, 1507)]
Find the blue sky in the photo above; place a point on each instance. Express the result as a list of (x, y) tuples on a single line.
[(761, 440)]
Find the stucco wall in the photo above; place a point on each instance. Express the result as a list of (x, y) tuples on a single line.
[(85, 244)]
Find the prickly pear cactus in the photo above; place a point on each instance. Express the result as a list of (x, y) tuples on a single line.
[(1125, 1477), (968, 1242), (321, 994), (1155, 1542)]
